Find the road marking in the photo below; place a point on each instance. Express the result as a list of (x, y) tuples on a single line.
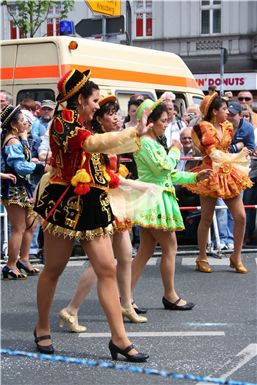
[(152, 261), (243, 357), (75, 263), (69, 264), (205, 323), (236, 363), (158, 334), (212, 261)]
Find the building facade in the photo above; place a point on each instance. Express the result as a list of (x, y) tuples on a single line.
[(195, 30)]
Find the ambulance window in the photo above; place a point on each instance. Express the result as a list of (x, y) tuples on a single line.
[(197, 100), (124, 96), (180, 100), (39, 58), (180, 103), (36, 94)]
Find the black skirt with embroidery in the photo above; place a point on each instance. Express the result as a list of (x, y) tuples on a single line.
[(20, 194), (75, 216)]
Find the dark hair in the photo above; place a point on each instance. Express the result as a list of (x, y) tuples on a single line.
[(135, 102), (157, 112), (86, 91), (7, 127), (132, 102), (96, 126), (155, 115), (215, 105), (106, 108)]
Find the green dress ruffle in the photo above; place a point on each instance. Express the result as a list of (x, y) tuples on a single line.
[(154, 165)]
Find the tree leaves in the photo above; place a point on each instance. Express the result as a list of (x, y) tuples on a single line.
[(28, 15)]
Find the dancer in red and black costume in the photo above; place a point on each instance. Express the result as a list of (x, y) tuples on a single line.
[(73, 202)]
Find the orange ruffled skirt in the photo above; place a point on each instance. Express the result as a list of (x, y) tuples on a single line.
[(226, 183)]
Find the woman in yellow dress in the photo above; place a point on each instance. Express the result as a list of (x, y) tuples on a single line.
[(212, 136)]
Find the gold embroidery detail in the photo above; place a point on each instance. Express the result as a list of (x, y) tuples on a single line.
[(159, 227), (105, 203), (73, 210), (98, 168), (87, 235)]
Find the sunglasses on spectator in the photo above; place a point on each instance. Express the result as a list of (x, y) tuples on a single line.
[(247, 98), (246, 116)]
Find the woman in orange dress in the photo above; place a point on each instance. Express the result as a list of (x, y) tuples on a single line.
[(213, 136)]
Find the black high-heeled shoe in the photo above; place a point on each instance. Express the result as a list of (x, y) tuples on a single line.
[(139, 310), (174, 306), (49, 349), (7, 272), (138, 357), (22, 266)]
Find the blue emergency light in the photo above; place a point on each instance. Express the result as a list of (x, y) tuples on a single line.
[(67, 28)]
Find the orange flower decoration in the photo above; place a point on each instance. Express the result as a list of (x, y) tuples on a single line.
[(226, 168)]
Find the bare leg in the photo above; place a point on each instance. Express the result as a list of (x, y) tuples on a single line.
[(57, 253), (207, 210), (123, 252), (31, 225), (101, 256), (144, 253), (85, 284), (122, 249), (17, 218), (236, 207), (168, 243)]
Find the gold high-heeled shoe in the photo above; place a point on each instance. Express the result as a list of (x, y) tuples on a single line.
[(240, 268), (203, 266), (71, 321), (132, 316)]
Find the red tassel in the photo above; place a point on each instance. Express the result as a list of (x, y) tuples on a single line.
[(81, 189), (115, 180)]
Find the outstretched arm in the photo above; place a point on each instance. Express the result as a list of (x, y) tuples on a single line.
[(118, 142), (113, 142)]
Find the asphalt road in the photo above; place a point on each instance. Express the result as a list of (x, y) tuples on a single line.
[(217, 338)]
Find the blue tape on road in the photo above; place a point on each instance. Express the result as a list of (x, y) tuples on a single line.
[(121, 367)]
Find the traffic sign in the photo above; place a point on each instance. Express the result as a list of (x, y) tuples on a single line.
[(110, 8), (93, 27), (89, 27)]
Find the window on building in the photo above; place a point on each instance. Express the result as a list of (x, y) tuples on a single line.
[(52, 23), (53, 20), (53, 26), (15, 32), (210, 17), (144, 18)]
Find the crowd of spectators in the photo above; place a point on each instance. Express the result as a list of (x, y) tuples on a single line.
[(240, 112)]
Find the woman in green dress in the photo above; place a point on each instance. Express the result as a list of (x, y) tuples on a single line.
[(156, 166)]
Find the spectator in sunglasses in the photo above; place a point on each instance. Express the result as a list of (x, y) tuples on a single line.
[(247, 98)]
